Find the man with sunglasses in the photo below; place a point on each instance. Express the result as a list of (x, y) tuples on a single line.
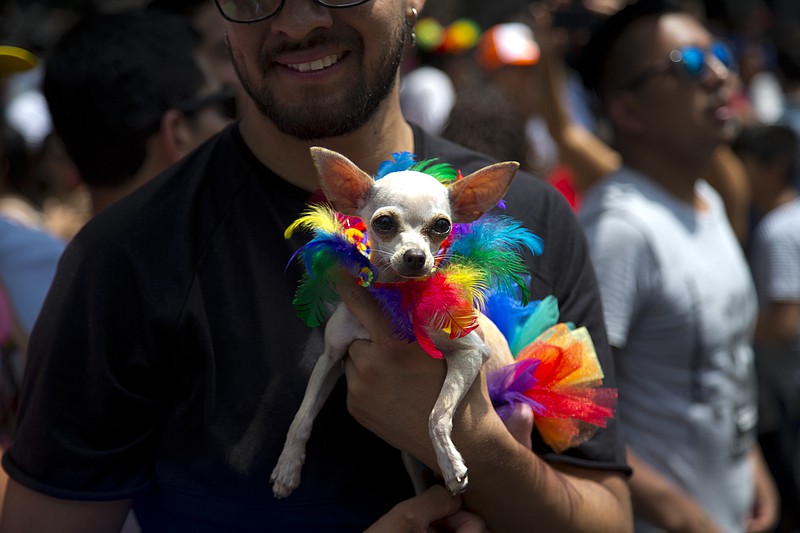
[(175, 305), (677, 295)]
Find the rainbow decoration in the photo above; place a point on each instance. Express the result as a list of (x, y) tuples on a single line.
[(558, 375), (478, 259)]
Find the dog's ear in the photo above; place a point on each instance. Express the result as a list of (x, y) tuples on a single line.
[(345, 185), (472, 196)]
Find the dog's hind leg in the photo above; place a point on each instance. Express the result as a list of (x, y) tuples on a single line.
[(463, 365), (341, 330)]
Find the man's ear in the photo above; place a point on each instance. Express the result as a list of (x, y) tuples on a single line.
[(174, 135), (345, 185), (416, 4), (624, 110), (168, 144), (472, 196)]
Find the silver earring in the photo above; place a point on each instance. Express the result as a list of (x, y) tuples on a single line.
[(412, 25)]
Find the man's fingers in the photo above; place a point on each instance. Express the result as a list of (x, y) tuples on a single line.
[(364, 306), (432, 505), (463, 522), (520, 424), (417, 513)]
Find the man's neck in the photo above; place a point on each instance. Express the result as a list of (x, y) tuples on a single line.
[(677, 175), (287, 156), (784, 196), (102, 197)]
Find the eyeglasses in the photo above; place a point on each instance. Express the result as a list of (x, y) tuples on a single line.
[(246, 11), (225, 99), (689, 62)]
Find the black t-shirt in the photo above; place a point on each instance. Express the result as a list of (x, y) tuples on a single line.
[(168, 361)]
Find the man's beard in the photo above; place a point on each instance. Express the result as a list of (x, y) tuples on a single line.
[(349, 108)]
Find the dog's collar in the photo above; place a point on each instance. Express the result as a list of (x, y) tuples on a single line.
[(477, 260)]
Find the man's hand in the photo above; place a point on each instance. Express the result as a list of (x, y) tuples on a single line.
[(393, 385), (434, 507), (764, 511), (520, 424)]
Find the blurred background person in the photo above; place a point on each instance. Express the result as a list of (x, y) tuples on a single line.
[(677, 294), (484, 120), (28, 258), (770, 154), (508, 55), (205, 19), (39, 186), (130, 94)]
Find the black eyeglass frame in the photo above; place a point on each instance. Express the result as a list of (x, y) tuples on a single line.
[(322, 3), (673, 63)]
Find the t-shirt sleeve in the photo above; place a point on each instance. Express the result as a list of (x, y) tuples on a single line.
[(624, 265), (565, 271), (778, 252), (93, 386)]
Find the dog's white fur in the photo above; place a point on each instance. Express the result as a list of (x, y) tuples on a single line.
[(404, 212)]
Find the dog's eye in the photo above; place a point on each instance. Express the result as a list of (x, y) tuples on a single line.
[(383, 224), (441, 226)]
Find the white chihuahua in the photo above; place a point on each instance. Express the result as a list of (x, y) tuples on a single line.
[(408, 215)]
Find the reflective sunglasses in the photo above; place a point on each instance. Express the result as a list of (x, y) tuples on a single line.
[(246, 11), (689, 62)]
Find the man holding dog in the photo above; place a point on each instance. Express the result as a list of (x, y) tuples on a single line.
[(168, 362)]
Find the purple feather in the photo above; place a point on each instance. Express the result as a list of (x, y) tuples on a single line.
[(507, 385), (389, 300)]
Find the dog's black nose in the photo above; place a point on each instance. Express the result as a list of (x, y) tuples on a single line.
[(414, 259)]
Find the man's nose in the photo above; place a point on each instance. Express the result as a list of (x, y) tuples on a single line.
[(298, 18)]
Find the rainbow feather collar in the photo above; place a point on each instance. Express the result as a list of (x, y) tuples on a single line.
[(477, 260)]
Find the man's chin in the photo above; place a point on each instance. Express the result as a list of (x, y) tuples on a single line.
[(316, 130), (730, 130), (319, 118)]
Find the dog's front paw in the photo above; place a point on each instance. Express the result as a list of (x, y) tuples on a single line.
[(455, 477), (286, 475)]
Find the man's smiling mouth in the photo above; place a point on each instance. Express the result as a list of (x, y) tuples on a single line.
[(318, 64)]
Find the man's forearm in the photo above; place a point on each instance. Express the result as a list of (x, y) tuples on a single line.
[(658, 500), (27, 510), (512, 489)]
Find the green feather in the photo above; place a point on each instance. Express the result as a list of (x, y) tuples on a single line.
[(545, 316), (443, 172), (314, 293), (503, 270)]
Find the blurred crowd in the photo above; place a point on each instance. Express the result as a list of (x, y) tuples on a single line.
[(501, 77)]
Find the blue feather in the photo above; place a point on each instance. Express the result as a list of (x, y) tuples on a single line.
[(400, 161), (507, 312)]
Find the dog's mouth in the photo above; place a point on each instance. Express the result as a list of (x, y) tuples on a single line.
[(416, 277), (405, 274)]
